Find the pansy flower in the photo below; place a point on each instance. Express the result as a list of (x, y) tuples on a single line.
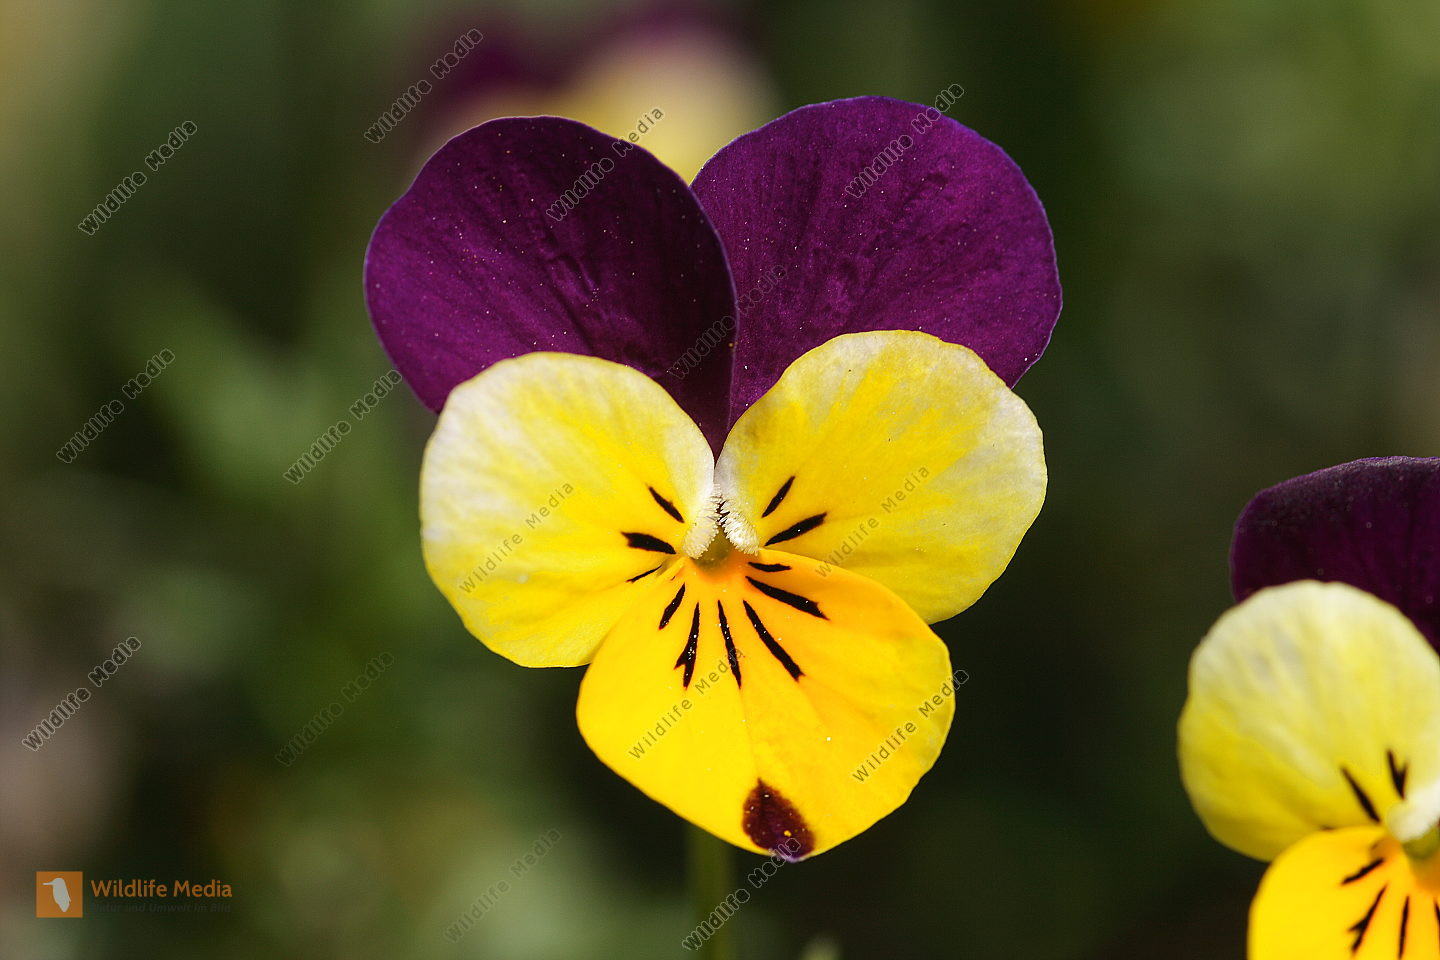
[(631, 473), (1311, 736), (691, 63)]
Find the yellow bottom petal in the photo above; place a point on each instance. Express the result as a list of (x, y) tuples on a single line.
[(1347, 894), (782, 710)]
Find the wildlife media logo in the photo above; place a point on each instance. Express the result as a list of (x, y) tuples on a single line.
[(59, 893)]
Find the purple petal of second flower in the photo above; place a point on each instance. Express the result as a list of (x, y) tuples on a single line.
[(1374, 524), (946, 237), (475, 264)]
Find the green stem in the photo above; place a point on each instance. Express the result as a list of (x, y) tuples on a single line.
[(710, 884)]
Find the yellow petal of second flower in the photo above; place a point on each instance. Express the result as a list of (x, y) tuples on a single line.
[(552, 482), (778, 709), (1347, 895), (1312, 706)]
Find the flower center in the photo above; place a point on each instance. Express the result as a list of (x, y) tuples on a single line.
[(718, 531), (1413, 822)]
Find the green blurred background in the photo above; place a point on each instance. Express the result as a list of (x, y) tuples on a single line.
[(1246, 202)]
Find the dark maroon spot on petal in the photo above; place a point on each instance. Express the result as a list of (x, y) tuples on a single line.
[(643, 541), (803, 604), (666, 505), (642, 576), (1404, 928), (795, 530), (779, 497), (729, 643), (671, 607), (770, 567), (772, 823)]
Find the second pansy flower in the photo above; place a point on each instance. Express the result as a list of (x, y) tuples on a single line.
[(1311, 735), (756, 622)]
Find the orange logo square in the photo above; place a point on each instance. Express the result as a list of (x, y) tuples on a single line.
[(59, 893)]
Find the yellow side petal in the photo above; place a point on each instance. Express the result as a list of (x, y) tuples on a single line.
[(812, 708), (1311, 706), (1346, 895), (541, 500), (894, 455)]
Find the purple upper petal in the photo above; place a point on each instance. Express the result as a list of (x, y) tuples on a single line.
[(1374, 524), (469, 266), (950, 239)]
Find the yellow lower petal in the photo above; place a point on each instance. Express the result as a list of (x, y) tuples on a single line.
[(1347, 894), (813, 704), (550, 484)]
